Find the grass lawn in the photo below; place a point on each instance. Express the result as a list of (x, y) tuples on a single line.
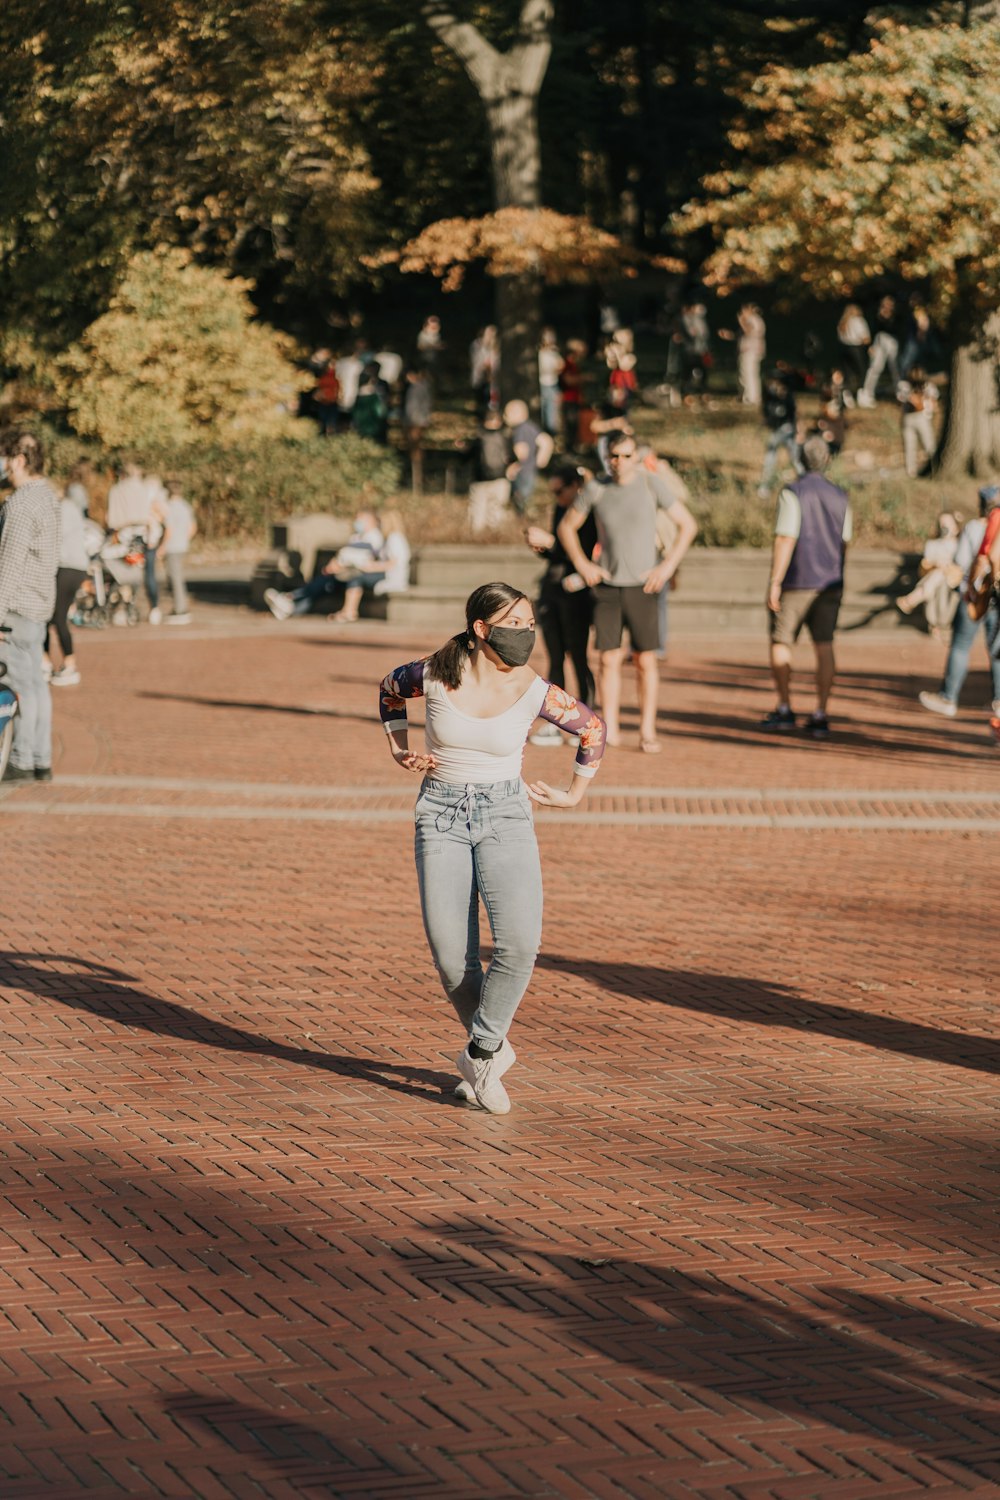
[(718, 446)]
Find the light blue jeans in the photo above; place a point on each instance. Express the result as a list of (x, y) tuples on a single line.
[(962, 636), (780, 437), (21, 650), (479, 841)]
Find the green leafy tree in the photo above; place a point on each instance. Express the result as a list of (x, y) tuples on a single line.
[(224, 128), (176, 358), (883, 163)]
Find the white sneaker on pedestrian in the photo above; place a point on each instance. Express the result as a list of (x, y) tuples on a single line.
[(482, 1074), (547, 735), (155, 616), (505, 1058), (179, 619), (279, 604), (995, 708), (865, 400), (938, 704), (65, 677)]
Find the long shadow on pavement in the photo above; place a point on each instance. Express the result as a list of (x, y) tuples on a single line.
[(97, 990), (752, 1003), (256, 706), (871, 1365)]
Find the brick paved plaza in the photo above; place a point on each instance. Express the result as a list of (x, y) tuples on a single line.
[(739, 1236)]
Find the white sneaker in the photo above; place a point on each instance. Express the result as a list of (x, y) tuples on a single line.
[(995, 708), (865, 400), (938, 704), (65, 677), (505, 1058), (181, 619), (155, 616), (547, 735), (279, 604), (482, 1074)]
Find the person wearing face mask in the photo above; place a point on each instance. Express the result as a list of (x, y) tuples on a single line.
[(474, 832)]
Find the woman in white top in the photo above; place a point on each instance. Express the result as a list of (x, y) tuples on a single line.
[(854, 336), (474, 831), (388, 573), (74, 565)]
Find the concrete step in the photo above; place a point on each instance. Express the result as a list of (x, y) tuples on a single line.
[(708, 570), (691, 613)]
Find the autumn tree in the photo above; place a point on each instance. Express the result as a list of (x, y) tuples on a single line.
[(884, 163)]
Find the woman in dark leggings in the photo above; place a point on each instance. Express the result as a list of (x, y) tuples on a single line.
[(73, 569)]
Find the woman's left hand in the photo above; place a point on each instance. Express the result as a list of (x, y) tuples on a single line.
[(551, 796)]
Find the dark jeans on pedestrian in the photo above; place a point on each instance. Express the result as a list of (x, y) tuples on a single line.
[(321, 587), (149, 576), (68, 581), (565, 624), (962, 636)]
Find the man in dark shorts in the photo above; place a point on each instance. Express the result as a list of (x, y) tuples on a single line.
[(811, 534), (628, 577)]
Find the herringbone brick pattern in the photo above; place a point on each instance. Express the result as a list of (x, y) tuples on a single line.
[(738, 1238)]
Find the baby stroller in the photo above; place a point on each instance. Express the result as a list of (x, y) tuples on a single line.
[(108, 595), (8, 709)]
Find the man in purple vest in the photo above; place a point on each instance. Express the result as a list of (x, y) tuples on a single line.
[(811, 534)]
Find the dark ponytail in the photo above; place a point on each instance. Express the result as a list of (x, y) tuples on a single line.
[(448, 664)]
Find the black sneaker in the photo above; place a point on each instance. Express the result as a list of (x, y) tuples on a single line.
[(18, 773), (818, 727), (43, 773), (778, 721)]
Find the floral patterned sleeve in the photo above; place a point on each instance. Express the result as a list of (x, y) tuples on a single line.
[(400, 684), (568, 713)]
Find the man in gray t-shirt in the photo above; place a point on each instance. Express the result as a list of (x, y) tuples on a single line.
[(629, 575)]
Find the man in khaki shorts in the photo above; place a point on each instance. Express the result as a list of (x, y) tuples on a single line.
[(811, 534)]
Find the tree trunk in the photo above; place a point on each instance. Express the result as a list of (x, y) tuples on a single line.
[(508, 86), (970, 442), (515, 150)]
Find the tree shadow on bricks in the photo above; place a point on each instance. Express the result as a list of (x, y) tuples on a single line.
[(876, 1366), (256, 706), (301, 1453), (106, 993), (750, 1002)]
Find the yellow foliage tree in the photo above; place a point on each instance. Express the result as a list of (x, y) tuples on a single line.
[(176, 358)]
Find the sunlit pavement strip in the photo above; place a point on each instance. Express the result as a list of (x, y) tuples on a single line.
[(677, 807)]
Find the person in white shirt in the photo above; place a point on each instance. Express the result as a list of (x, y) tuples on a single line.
[(179, 526), (550, 367), (348, 372), (134, 505), (74, 565), (474, 831), (918, 401), (387, 573)]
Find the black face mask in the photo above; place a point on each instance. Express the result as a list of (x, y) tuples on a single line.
[(512, 646)]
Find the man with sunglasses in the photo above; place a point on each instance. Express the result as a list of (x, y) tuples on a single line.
[(629, 576)]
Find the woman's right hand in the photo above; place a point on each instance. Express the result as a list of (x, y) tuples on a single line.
[(410, 760)]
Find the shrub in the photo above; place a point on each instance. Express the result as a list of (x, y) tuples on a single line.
[(177, 358), (238, 488)]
